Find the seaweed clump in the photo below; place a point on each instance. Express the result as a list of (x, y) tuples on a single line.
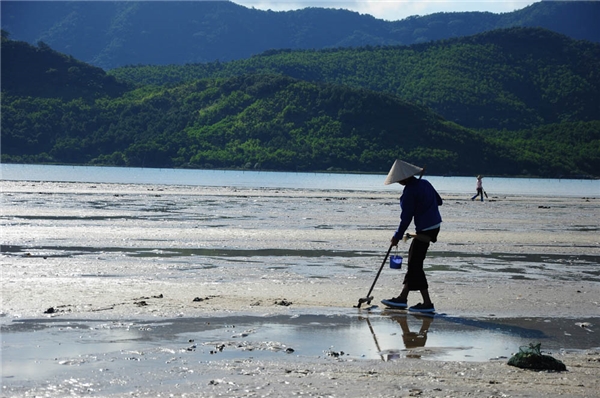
[(532, 358)]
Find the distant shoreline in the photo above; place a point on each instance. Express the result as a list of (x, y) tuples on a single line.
[(580, 177)]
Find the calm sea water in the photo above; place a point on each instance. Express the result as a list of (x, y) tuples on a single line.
[(318, 181)]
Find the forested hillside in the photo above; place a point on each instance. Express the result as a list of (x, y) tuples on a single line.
[(110, 34), (262, 121), (42, 72), (505, 79)]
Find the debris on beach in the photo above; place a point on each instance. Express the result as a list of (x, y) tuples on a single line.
[(200, 299), (220, 381), (243, 334), (334, 354), (191, 348), (585, 325), (141, 301), (57, 309), (218, 348), (531, 357), (159, 296), (283, 302)]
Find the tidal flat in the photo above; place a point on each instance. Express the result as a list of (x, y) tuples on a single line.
[(138, 289)]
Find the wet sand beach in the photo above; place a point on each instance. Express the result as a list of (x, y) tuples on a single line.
[(169, 271)]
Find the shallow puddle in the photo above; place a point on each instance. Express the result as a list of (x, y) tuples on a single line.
[(42, 349)]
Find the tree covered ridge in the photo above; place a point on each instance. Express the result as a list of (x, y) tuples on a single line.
[(42, 72), (513, 78), (251, 121), (274, 122), (110, 34)]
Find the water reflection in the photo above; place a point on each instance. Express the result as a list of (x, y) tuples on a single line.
[(40, 349), (412, 339), (398, 334)]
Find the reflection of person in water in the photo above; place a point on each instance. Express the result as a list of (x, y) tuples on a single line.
[(411, 339), (414, 339)]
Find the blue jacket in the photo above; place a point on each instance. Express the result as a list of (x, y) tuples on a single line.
[(419, 201)]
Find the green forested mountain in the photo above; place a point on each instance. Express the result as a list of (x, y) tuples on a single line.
[(505, 79), (42, 72), (110, 34), (263, 121)]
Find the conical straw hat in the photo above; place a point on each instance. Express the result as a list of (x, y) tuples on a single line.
[(400, 171)]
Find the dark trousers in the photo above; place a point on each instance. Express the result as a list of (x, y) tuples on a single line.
[(415, 275), (479, 192)]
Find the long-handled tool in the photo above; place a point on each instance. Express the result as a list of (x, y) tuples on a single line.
[(369, 297)]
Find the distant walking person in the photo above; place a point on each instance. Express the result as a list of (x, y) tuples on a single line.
[(479, 188)]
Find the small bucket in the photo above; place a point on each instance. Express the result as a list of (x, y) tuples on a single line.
[(396, 262)]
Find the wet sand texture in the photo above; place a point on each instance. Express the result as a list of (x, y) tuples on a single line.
[(106, 252)]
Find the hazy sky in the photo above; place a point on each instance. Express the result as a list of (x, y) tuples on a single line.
[(392, 10)]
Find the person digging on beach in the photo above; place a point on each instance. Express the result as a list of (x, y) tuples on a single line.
[(479, 188), (419, 202)]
